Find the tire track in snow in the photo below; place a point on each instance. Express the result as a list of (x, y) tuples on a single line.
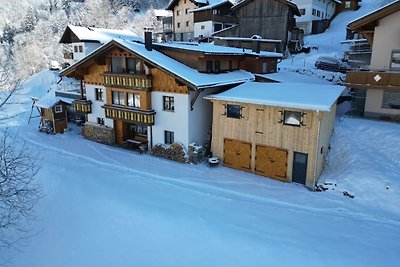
[(218, 192)]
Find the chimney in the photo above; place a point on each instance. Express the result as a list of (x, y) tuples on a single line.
[(256, 46), (148, 39)]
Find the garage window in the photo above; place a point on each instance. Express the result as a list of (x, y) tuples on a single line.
[(292, 118), (233, 111)]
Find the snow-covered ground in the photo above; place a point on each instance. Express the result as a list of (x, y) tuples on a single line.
[(105, 206)]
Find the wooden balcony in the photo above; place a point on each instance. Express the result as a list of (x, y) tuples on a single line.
[(374, 79), (131, 115), (129, 81), (83, 106)]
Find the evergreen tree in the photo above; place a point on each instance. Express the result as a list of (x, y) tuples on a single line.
[(8, 34), (29, 22)]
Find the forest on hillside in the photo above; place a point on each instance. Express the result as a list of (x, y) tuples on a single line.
[(30, 30)]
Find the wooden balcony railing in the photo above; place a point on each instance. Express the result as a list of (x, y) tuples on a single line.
[(114, 112), (83, 106), (374, 79), (130, 81)]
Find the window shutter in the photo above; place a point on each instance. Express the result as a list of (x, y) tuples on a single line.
[(279, 116), (306, 119)]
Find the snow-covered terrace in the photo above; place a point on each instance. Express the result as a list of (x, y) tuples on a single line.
[(290, 95)]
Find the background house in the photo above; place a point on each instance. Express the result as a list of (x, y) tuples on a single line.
[(315, 14), (213, 18), (279, 130), (84, 40), (267, 19), (378, 88)]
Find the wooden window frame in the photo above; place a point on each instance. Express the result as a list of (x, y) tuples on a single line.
[(134, 96), (287, 112), (99, 94), (169, 137), (169, 103), (233, 111), (58, 109)]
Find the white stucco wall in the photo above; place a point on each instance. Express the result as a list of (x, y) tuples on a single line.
[(200, 118), (176, 121), (386, 39), (373, 104), (87, 48), (97, 110), (208, 28), (324, 6)]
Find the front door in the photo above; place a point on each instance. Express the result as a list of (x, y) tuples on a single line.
[(300, 168)]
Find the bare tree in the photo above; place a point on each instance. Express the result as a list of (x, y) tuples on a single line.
[(19, 165)]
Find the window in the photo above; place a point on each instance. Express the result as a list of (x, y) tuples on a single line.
[(209, 66), (178, 12), (187, 11), (203, 27), (314, 12), (99, 94), (264, 67), (322, 16), (168, 103), (292, 118), (233, 111), (133, 66), (133, 100), (217, 66), (168, 137), (76, 49), (139, 129), (216, 12), (118, 98), (318, 13), (347, 4), (395, 60), (391, 100), (187, 23), (217, 27), (178, 25), (58, 109), (302, 11), (100, 121), (80, 49)]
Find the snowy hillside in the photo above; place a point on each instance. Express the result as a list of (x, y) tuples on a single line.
[(105, 206)]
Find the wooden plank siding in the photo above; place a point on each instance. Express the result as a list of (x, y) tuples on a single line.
[(163, 82), (271, 132)]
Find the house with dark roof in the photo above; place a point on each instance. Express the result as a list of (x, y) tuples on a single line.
[(377, 89)]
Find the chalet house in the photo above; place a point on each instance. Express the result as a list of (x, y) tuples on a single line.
[(165, 16), (278, 130), (348, 5), (315, 14), (136, 94), (264, 19), (377, 89), (53, 113), (183, 19), (85, 40), (213, 18)]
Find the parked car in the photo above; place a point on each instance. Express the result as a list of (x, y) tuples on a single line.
[(331, 64)]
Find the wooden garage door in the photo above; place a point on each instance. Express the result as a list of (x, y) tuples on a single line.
[(271, 162), (237, 154)]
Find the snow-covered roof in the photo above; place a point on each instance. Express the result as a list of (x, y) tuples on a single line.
[(182, 72), (50, 100), (249, 39), (289, 95), (212, 4), (211, 49), (100, 35), (375, 14), (285, 76), (162, 13)]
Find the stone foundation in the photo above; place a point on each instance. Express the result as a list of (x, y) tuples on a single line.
[(175, 151), (99, 133)]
